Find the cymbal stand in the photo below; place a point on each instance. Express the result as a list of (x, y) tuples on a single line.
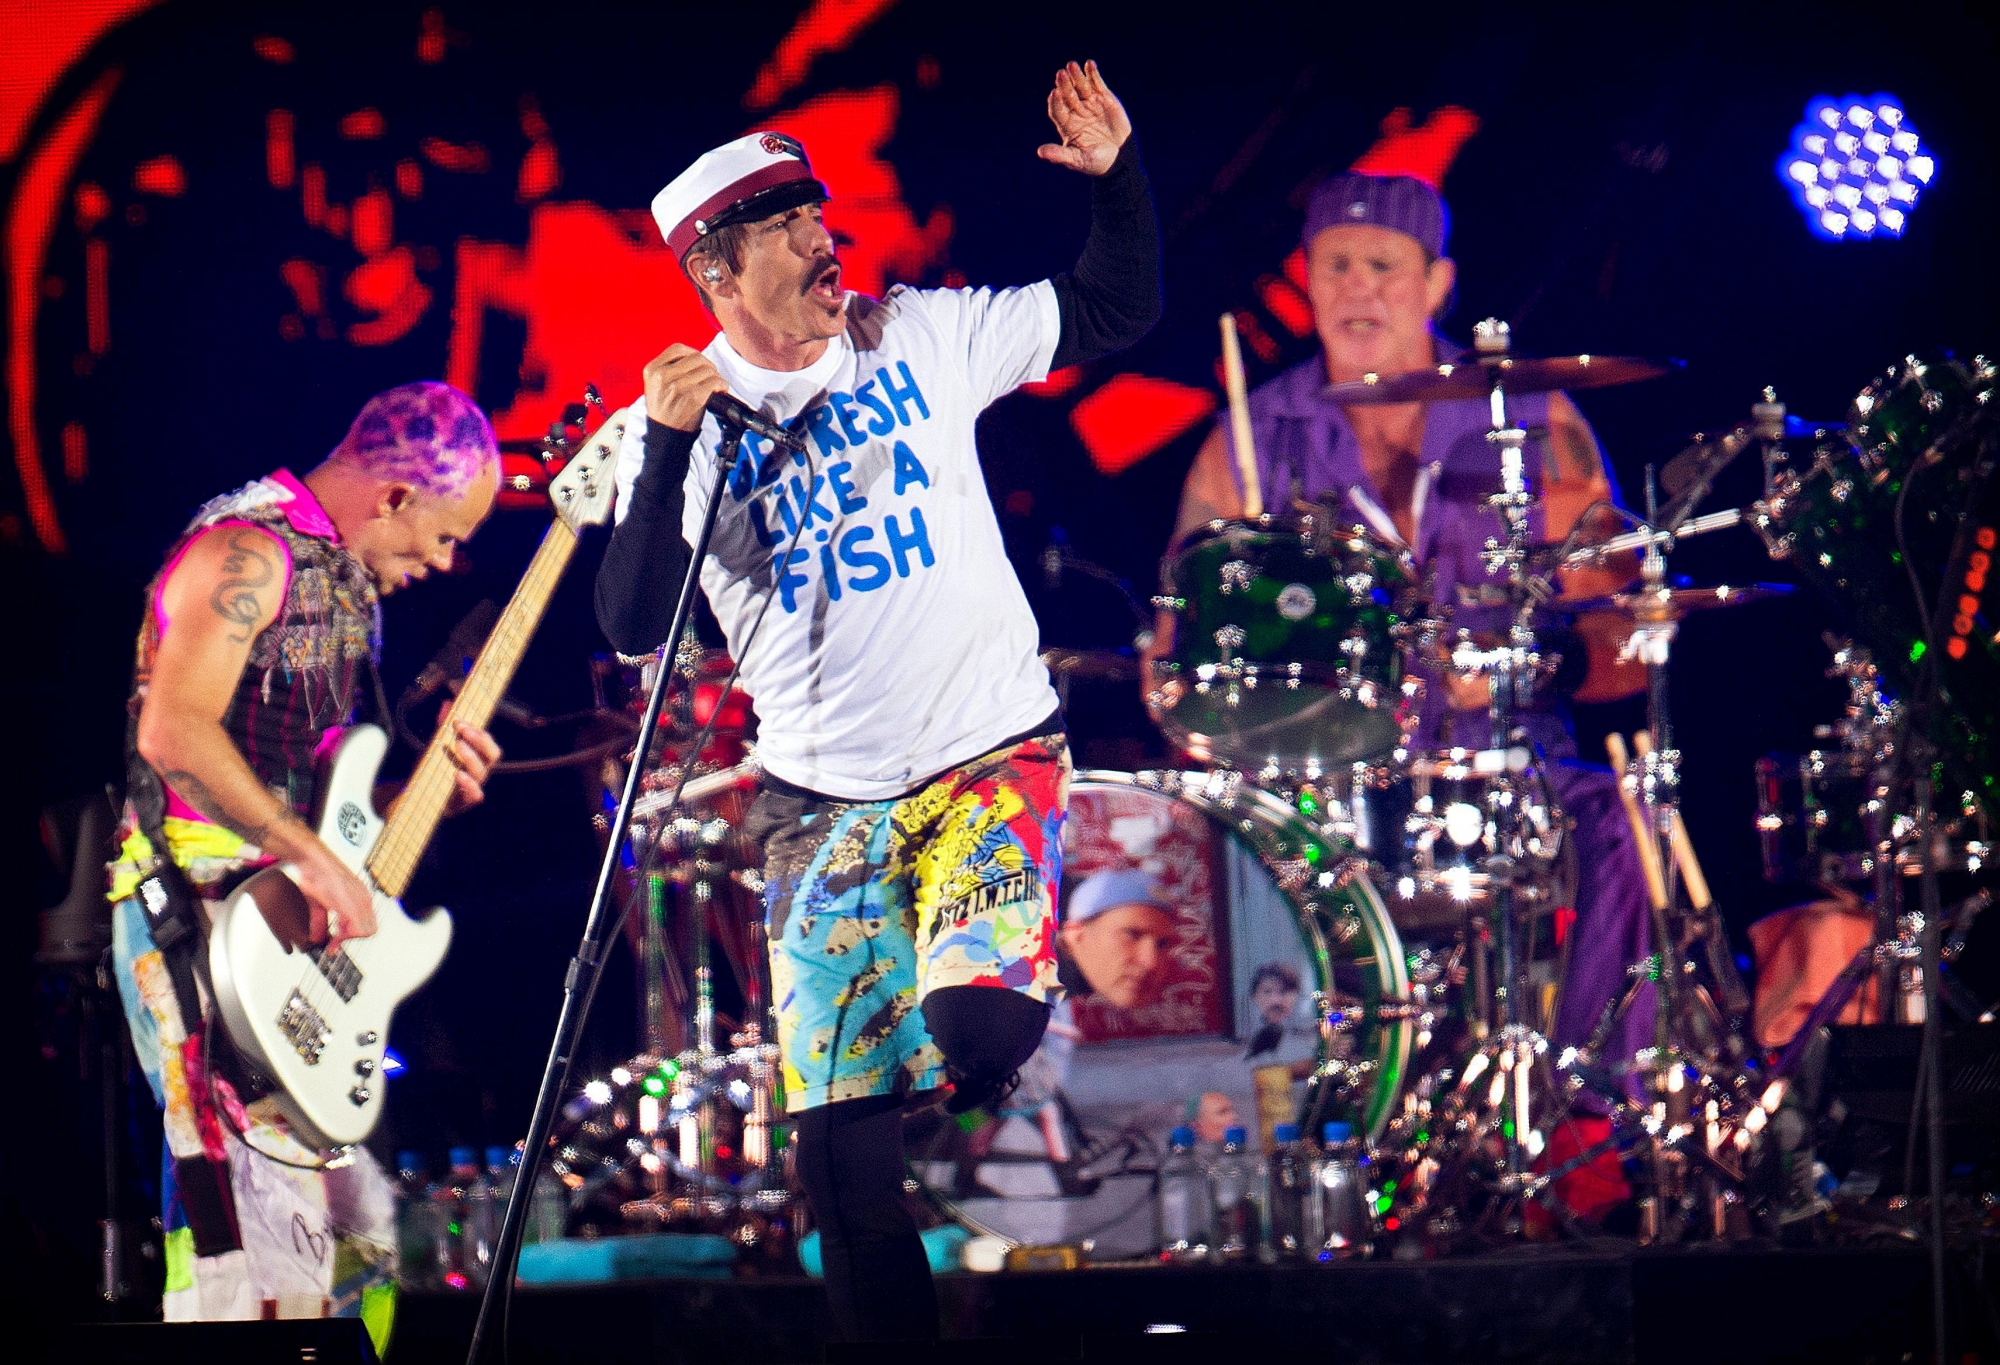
[(1698, 1120), (1490, 1114)]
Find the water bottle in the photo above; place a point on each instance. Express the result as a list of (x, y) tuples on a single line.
[(1233, 1231), (503, 1164), (1343, 1198), (420, 1225), (1291, 1185), (548, 1206), (456, 1197), (485, 1206), (1183, 1201)]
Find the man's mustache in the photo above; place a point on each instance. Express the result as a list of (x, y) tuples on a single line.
[(821, 266)]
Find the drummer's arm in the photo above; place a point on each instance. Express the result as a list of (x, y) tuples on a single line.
[(1576, 478), (1209, 492)]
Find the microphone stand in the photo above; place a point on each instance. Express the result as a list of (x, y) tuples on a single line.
[(583, 967)]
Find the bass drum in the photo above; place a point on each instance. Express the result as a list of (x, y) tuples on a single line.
[(1225, 964)]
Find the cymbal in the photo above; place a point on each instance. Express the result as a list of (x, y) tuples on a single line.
[(1111, 665), (1674, 604), (1474, 379)]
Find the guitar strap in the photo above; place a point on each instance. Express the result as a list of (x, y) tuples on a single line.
[(173, 917)]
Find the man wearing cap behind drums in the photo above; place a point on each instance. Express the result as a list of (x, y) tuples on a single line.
[(1417, 475), (915, 761)]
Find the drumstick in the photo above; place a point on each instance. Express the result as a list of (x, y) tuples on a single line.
[(1642, 832), (1684, 858), (1239, 418)]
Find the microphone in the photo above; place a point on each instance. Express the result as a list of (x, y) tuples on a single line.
[(734, 413), (448, 664)]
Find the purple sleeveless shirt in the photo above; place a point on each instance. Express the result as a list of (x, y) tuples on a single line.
[(1307, 450)]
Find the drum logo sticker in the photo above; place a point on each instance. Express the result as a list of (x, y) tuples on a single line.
[(1296, 602), (351, 822)]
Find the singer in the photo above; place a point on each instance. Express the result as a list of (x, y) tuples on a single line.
[(916, 766)]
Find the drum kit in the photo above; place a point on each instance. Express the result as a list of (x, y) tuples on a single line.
[(1417, 900)]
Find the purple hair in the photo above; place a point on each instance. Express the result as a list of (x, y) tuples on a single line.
[(427, 434)]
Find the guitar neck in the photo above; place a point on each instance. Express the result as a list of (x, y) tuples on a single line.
[(417, 812)]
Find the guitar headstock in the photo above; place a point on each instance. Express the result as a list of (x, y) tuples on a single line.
[(583, 492)]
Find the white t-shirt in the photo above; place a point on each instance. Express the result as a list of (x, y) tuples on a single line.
[(898, 642)]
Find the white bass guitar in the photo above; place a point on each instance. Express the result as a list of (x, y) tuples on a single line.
[(314, 1020)]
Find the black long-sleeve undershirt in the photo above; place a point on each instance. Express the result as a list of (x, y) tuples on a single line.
[(1109, 301), (1112, 297), (647, 558)]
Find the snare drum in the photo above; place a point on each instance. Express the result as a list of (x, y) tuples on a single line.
[(1430, 826), (1279, 994), (1286, 653)]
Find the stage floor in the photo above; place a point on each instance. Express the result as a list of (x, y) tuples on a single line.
[(1600, 1305)]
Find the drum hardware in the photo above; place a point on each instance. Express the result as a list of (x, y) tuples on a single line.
[(1694, 1076), (1893, 516), (1471, 1132)]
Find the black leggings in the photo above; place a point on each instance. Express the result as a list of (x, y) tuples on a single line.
[(850, 1160)]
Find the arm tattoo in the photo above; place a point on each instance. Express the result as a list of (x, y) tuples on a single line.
[(196, 793), (1570, 455), (246, 571)]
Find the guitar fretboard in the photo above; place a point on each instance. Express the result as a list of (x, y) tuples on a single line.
[(417, 812)]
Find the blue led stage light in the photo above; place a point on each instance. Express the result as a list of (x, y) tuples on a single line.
[(1856, 167)]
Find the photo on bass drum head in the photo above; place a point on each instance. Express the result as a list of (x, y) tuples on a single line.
[(1194, 972)]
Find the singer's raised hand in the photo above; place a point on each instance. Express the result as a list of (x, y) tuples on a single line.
[(679, 381), (1089, 120)]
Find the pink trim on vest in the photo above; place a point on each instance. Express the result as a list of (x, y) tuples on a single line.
[(302, 510)]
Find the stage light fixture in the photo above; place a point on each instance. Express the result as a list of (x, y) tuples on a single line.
[(1856, 167)]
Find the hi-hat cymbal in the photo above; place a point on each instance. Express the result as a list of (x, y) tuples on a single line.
[(1475, 378)]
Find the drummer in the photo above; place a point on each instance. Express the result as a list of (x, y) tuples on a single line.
[(1418, 475)]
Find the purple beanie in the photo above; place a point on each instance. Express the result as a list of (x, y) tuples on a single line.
[(1399, 202)]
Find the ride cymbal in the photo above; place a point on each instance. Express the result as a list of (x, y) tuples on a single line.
[(1474, 379)]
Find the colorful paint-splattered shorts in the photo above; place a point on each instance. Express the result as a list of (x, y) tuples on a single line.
[(874, 904)]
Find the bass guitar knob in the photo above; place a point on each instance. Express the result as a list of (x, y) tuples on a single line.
[(360, 1094), (365, 1067)]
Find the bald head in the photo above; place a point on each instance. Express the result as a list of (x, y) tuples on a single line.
[(414, 478), (427, 435)]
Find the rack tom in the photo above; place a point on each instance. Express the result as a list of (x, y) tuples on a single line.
[(1286, 653)]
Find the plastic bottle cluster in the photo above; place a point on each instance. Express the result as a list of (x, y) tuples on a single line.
[(448, 1229), (1305, 1201)]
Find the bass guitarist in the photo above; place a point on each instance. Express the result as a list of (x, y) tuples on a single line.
[(258, 634)]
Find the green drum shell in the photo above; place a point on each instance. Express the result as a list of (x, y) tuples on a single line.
[(1285, 645), (1922, 442)]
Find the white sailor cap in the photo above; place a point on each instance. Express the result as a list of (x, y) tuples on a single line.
[(755, 176)]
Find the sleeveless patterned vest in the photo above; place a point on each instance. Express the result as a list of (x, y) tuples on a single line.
[(300, 682)]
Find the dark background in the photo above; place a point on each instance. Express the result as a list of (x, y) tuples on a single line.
[(1619, 197)]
